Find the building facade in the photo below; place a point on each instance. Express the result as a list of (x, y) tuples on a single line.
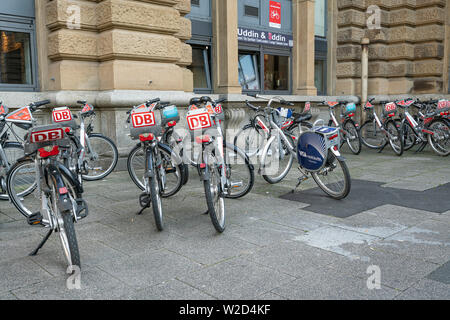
[(117, 53)]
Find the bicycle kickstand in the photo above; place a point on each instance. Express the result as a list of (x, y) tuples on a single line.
[(39, 247), (144, 203), (382, 148), (422, 147)]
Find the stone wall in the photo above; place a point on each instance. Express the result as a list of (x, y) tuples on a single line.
[(407, 55), (120, 45)]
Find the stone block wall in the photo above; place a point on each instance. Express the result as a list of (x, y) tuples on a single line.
[(407, 55), (120, 45)]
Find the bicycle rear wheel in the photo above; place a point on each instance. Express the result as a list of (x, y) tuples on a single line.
[(334, 178), (352, 137), (101, 158), (408, 135)]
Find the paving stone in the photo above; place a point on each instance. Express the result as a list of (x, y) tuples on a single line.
[(18, 248), (335, 239), (7, 296), (429, 241), (20, 273), (397, 271), (270, 296), (4, 218), (327, 283), (293, 258), (236, 279), (95, 285), (169, 290), (140, 271), (442, 274), (426, 290)]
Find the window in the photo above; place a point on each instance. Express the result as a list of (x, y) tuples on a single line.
[(17, 54), (195, 3), (321, 18), (320, 76), (248, 72), (251, 11), (276, 73), (200, 69)]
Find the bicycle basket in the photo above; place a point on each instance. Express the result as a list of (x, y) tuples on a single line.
[(350, 110), (390, 110), (47, 135), (169, 114), (64, 117), (143, 121)]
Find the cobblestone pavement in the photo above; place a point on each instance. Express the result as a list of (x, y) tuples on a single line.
[(272, 248)]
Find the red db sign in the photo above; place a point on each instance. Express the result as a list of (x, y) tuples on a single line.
[(199, 121), (143, 119), (61, 115), (47, 135)]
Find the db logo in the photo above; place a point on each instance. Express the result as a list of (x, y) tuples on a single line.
[(307, 107), (199, 121), (218, 109), (61, 115), (47, 135), (143, 119), (390, 107)]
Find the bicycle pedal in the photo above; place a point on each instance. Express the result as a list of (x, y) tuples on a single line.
[(35, 219), (82, 208), (145, 200), (234, 185), (171, 170)]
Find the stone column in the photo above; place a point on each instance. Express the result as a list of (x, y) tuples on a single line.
[(303, 52), (225, 47)]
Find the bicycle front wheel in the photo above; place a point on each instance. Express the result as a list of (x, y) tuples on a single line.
[(277, 161), (13, 152), (21, 185), (250, 140), (352, 137), (371, 135), (214, 197), (440, 139), (101, 157), (334, 178), (155, 196), (240, 172), (409, 136), (395, 138)]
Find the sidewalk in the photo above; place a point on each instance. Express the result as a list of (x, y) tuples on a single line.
[(273, 248)]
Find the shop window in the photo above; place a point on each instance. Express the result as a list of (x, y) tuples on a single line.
[(195, 3), (276, 73), (248, 72), (251, 11), (15, 58), (320, 76), (200, 69)]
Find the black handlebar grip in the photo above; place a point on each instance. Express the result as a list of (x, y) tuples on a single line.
[(220, 100), (150, 102), (41, 103), (81, 101)]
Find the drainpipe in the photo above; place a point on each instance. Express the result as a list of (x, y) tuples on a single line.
[(364, 73)]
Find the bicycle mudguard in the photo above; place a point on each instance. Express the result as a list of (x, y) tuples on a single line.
[(64, 203), (72, 179), (149, 163)]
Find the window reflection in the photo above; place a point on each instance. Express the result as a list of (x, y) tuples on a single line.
[(248, 72), (200, 68), (276, 72), (319, 71), (320, 18), (15, 58)]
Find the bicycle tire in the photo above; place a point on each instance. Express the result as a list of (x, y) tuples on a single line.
[(247, 165), (366, 135), (210, 200), (394, 136), (347, 180), (408, 136), (443, 151), (115, 158), (286, 170), (257, 140), (9, 145), (349, 125), (155, 197)]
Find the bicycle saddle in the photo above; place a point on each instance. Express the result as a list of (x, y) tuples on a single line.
[(195, 101), (301, 117)]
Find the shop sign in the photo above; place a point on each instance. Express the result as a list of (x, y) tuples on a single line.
[(265, 37)]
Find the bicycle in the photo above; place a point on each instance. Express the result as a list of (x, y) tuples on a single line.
[(264, 137), (427, 128), (317, 153), (58, 190), (93, 156), (158, 158), (347, 126), (378, 133)]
